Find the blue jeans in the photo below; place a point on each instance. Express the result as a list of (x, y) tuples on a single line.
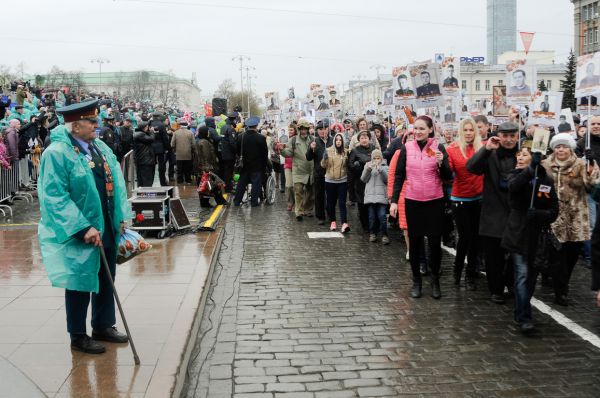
[(377, 212), (336, 192), (525, 277), (246, 177), (587, 245)]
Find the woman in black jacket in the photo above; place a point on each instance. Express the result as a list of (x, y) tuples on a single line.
[(359, 156), (143, 152), (524, 225)]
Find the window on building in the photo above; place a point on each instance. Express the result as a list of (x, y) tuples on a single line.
[(585, 38), (595, 30), (500, 82), (464, 84), (487, 85), (594, 11), (584, 13), (477, 85), (549, 84)]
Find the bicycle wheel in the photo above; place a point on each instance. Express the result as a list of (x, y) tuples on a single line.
[(270, 190)]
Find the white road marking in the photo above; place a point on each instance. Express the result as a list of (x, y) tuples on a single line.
[(560, 318), (324, 235)]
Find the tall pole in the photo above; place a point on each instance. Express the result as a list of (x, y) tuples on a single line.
[(241, 58), (100, 61), (248, 83)]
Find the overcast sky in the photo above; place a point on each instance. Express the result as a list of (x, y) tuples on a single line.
[(290, 42)]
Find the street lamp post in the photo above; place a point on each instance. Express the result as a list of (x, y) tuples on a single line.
[(248, 79), (100, 61), (241, 58)]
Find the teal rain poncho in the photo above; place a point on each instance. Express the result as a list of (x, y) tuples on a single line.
[(69, 202)]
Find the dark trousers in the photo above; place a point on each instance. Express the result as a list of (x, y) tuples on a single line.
[(170, 157), (184, 171), (496, 267), (567, 258), (246, 177), (319, 189), (226, 173), (377, 221), (351, 190), (282, 180), (162, 169), (417, 247), (363, 216), (145, 175), (466, 217), (336, 193), (103, 303), (525, 277)]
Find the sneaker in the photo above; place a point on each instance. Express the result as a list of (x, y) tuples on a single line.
[(407, 256), (385, 240), (333, 226), (345, 227), (372, 238), (415, 291)]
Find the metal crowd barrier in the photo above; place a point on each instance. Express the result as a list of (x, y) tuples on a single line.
[(128, 169), (10, 184)]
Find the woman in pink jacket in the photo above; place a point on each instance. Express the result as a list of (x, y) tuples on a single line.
[(422, 166)]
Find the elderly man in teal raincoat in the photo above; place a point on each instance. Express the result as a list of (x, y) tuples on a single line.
[(83, 202)]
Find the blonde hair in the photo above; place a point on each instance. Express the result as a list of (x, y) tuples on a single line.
[(462, 144)]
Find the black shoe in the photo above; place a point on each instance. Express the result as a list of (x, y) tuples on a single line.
[(299, 218), (456, 280), (526, 327), (436, 293), (471, 284), (587, 263), (85, 343), (415, 291), (561, 300), (321, 222), (497, 298), (111, 335)]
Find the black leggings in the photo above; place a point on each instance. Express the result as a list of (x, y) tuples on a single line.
[(435, 255), (466, 217)]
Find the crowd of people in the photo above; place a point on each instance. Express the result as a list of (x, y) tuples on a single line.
[(507, 209)]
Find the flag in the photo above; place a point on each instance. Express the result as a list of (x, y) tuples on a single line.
[(527, 38)]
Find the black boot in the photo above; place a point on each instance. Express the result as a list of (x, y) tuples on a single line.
[(435, 288), (415, 291)]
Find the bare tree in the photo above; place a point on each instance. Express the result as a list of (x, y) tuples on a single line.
[(226, 90), (142, 87), (6, 76)]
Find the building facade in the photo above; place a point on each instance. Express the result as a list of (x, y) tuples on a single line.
[(586, 18), (501, 28)]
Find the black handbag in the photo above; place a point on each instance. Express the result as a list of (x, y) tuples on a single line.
[(548, 246)]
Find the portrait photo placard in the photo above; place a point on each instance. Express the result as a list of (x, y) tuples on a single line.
[(545, 110), (426, 81), (499, 106), (450, 67), (272, 102), (521, 77), (402, 86), (588, 75)]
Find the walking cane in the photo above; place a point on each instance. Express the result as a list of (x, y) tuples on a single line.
[(136, 359)]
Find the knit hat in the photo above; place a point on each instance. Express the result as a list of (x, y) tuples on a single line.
[(376, 153), (563, 139)]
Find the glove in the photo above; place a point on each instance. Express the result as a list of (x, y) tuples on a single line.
[(536, 159), (530, 214), (589, 154)]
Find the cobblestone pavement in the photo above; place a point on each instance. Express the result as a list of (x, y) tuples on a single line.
[(296, 317)]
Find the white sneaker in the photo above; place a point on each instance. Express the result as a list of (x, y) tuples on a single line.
[(407, 256)]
